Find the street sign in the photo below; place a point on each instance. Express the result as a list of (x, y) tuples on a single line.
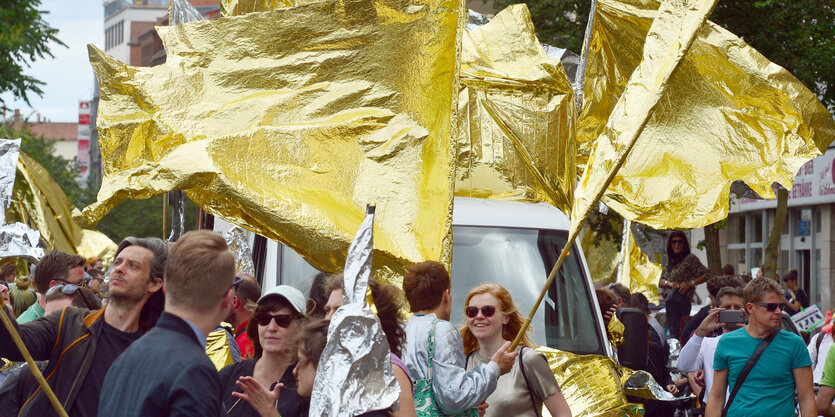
[(808, 319), (803, 228)]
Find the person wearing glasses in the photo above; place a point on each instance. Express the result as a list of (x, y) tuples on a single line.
[(54, 268), (66, 295), (783, 368), (681, 275), (492, 320), (250, 387)]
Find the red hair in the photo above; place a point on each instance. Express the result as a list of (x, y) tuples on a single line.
[(509, 330)]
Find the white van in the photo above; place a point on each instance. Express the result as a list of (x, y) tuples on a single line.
[(513, 244)]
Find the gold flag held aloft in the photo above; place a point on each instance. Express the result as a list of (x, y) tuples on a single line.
[(286, 122), (725, 114), (515, 116)]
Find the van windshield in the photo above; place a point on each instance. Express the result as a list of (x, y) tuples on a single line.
[(520, 260)]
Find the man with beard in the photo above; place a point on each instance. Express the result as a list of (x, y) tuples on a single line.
[(81, 345)]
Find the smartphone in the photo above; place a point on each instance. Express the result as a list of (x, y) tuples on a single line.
[(731, 316)]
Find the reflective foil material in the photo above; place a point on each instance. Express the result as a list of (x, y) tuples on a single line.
[(217, 348), (240, 7), (669, 38), (9, 151), (39, 202), (181, 11), (726, 114), (590, 384), (238, 243), (637, 272), (354, 375), (19, 240), (641, 384), (516, 115), (287, 122)]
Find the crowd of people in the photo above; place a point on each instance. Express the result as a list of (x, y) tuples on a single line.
[(136, 345)]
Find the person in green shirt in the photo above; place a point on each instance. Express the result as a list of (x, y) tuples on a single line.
[(54, 268), (826, 394)]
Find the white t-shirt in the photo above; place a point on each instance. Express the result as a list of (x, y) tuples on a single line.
[(819, 356), (697, 354)]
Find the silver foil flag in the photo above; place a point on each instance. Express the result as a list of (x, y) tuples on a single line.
[(16, 239), (238, 243), (181, 11), (354, 375)]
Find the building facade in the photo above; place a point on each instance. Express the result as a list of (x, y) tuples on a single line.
[(807, 241)]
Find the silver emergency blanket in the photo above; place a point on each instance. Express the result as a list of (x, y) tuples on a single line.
[(16, 239), (238, 243), (354, 375), (181, 11)]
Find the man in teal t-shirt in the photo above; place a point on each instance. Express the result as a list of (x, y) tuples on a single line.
[(785, 365)]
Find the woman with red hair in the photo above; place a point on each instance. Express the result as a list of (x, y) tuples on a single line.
[(492, 319)]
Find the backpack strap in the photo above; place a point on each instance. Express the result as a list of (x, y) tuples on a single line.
[(747, 369), (431, 347), (537, 410)]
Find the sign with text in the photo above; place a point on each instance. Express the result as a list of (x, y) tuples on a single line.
[(813, 184), (808, 319)]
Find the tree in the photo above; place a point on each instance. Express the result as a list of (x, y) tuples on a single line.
[(24, 37), (798, 35)]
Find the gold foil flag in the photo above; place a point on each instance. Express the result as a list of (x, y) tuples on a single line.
[(41, 203), (287, 122), (670, 36), (636, 271), (725, 114), (516, 116)]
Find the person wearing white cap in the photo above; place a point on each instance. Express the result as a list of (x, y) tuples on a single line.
[(265, 385)]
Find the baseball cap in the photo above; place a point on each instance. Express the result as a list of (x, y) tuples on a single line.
[(292, 295)]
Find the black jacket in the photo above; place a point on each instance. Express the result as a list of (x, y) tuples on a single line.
[(289, 404), (66, 339), (164, 373)]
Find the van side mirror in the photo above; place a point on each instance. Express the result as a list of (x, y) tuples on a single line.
[(634, 351)]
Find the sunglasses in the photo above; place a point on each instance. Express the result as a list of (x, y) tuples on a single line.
[(771, 306), (677, 242), (282, 320), (69, 289), (487, 311)]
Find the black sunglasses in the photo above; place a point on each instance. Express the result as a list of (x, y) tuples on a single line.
[(487, 311), (282, 320), (771, 306), (677, 242)]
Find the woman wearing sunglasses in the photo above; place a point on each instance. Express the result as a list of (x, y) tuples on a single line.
[(681, 275), (251, 386), (492, 319)]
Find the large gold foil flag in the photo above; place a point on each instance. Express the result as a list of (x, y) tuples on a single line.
[(670, 37), (636, 271), (516, 116), (288, 122), (725, 114), (41, 203)]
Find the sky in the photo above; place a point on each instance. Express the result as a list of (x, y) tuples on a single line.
[(68, 77)]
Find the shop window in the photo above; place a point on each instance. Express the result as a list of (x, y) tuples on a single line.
[(818, 221), (757, 227)]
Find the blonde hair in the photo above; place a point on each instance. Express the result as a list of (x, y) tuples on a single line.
[(199, 271), (509, 330)]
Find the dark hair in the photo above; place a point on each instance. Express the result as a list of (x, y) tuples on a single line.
[(728, 269), (388, 302), (55, 265), (791, 276), (622, 292), (424, 285), (267, 305), (317, 297), (737, 291), (248, 289), (640, 302), (96, 273), (714, 284), (152, 309), (314, 335), (674, 259), (8, 269), (605, 299)]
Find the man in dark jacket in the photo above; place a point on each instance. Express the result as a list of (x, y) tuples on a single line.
[(80, 345), (167, 372)]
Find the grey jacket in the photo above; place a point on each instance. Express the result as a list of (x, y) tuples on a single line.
[(455, 389)]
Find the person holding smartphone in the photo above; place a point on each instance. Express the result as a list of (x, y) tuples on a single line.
[(697, 354)]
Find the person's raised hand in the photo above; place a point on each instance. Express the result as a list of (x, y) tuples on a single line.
[(608, 314), (259, 397), (672, 389), (504, 358), (710, 323)]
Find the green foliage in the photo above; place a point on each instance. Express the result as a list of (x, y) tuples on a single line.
[(609, 227), (798, 35), (24, 37)]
